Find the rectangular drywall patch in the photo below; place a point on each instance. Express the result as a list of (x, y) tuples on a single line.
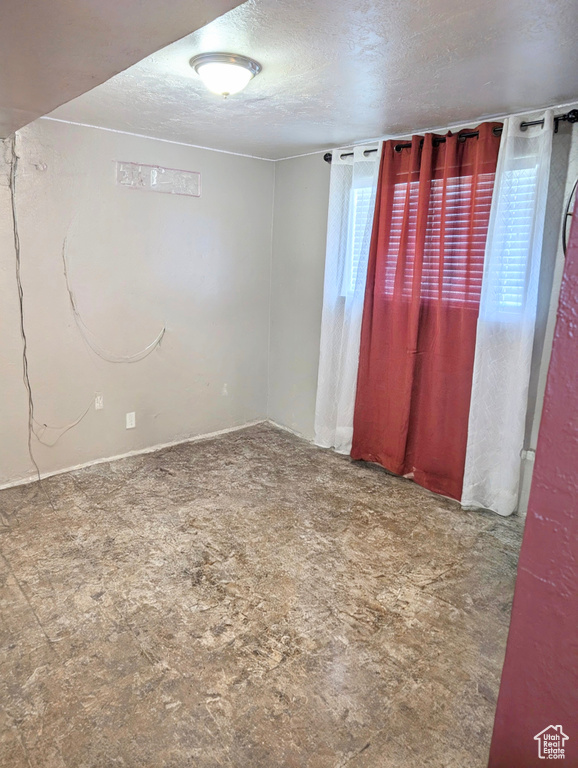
[(154, 178)]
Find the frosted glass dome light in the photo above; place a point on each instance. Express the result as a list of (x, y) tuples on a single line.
[(225, 73)]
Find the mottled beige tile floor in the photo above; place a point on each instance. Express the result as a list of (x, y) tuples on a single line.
[(248, 601)]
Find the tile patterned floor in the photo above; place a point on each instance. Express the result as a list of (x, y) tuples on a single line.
[(248, 601)]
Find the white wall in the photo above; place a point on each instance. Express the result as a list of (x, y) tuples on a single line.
[(137, 260), (299, 232)]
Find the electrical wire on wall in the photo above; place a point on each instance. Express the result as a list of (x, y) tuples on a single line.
[(32, 421), (42, 428), (25, 374), (37, 429), (568, 213), (87, 334)]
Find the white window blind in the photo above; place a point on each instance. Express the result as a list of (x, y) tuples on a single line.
[(453, 257), (359, 213), (508, 282)]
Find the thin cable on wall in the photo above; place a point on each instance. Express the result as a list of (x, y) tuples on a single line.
[(36, 428), (88, 335), (25, 373), (568, 213), (43, 428), (31, 408)]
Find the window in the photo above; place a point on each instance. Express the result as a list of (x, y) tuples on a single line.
[(459, 278), (359, 219), (507, 281), (456, 278)]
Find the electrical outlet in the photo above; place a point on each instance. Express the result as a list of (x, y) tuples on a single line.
[(98, 402), (131, 420)]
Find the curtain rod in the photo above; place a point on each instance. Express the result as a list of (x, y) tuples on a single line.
[(570, 117)]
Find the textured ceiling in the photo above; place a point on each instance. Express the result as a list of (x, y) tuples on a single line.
[(54, 50), (340, 71)]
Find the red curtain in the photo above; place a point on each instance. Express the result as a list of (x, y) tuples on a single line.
[(421, 306)]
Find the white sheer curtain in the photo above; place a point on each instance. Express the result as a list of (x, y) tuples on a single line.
[(507, 318), (351, 204)]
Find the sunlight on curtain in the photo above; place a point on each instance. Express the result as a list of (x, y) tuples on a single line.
[(351, 204), (507, 318)]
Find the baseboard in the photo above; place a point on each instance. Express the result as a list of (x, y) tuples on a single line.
[(287, 429), (137, 452)]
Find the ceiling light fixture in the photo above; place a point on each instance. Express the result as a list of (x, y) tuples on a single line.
[(225, 73)]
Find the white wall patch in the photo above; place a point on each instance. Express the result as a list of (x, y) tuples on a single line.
[(154, 178)]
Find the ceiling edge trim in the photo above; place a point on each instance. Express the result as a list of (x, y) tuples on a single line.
[(435, 129), (385, 137), (316, 152), (155, 138)]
